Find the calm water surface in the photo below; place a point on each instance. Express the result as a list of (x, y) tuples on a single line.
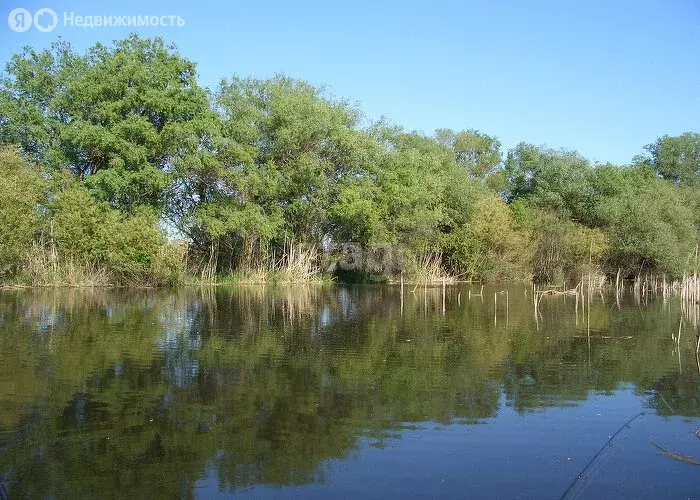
[(344, 392)]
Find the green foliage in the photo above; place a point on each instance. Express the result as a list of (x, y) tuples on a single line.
[(261, 165), (22, 192), (649, 223), (474, 151), (130, 246), (359, 214), (29, 89), (288, 147), (554, 180), (411, 182), (489, 246), (119, 117), (561, 249), (641, 222), (677, 158), (284, 153)]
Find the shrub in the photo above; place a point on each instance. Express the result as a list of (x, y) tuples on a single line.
[(489, 246), (561, 249), (22, 193), (131, 247)]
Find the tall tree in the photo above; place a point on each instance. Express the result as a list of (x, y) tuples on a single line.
[(648, 221), (476, 152), (677, 158), (120, 117), (556, 180)]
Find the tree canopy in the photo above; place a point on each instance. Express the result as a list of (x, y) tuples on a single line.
[(124, 139)]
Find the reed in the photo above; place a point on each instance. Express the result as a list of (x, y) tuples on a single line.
[(428, 269), (299, 264), (46, 267)]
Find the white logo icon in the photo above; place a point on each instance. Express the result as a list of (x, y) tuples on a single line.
[(45, 20), (20, 20)]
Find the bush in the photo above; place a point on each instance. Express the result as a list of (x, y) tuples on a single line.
[(651, 227), (131, 247), (561, 249), (489, 246), (22, 194)]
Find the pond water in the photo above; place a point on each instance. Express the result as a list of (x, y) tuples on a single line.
[(353, 392)]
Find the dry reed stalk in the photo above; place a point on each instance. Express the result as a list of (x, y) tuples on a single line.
[(429, 270), (298, 265), (45, 267)]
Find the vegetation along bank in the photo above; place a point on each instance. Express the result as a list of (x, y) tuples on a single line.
[(118, 168)]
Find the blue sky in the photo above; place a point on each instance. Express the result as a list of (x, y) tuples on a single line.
[(600, 77)]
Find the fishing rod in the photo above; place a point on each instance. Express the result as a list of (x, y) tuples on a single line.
[(594, 466)]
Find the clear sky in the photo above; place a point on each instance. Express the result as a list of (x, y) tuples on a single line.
[(600, 77)]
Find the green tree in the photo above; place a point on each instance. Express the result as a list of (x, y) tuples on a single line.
[(283, 151), (560, 249), (676, 158), (474, 151), (30, 87), (649, 224), (261, 164), (120, 117), (412, 184), (558, 181)]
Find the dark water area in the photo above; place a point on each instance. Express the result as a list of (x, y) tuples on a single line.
[(352, 392)]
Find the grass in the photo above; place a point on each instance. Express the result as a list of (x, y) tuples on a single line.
[(299, 263), (45, 267), (428, 269)]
